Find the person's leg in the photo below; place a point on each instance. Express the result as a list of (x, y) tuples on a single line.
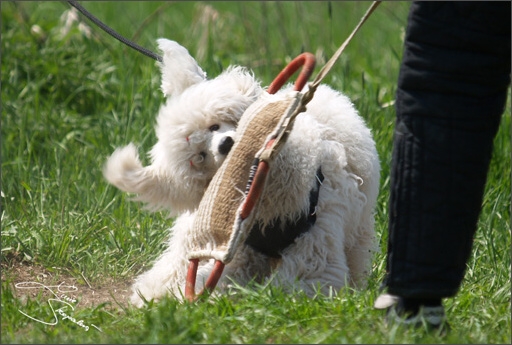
[(451, 93)]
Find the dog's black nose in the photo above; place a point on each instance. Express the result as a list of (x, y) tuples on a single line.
[(225, 145)]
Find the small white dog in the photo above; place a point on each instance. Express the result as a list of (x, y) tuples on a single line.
[(316, 221)]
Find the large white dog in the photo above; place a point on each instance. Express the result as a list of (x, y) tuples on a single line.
[(316, 221)]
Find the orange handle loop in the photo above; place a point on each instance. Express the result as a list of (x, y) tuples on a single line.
[(256, 187), (190, 285), (307, 61), (211, 282)]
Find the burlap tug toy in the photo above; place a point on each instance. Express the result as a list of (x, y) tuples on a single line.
[(218, 228), (227, 211)]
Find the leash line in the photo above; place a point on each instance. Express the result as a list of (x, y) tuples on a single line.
[(321, 75), (327, 67), (113, 33), (306, 60)]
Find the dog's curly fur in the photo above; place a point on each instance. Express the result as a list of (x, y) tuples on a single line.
[(196, 127)]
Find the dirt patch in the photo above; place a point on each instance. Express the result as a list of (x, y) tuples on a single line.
[(36, 282)]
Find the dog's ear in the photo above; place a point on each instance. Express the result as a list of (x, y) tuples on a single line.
[(239, 90), (243, 81), (179, 69)]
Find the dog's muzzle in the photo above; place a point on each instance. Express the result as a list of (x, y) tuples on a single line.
[(225, 145)]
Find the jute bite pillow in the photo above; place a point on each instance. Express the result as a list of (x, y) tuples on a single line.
[(220, 225)]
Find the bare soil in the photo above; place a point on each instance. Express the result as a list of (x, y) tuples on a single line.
[(35, 282)]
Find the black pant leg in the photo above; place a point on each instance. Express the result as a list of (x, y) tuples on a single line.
[(451, 93)]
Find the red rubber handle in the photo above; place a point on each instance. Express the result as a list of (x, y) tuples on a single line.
[(211, 282), (306, 61)]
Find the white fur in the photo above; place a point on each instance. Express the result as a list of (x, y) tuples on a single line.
[(330, 134)]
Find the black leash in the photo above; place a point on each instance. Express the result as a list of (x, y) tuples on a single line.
[(113, 33)]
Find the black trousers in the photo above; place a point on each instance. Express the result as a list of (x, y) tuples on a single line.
[(451, 93)]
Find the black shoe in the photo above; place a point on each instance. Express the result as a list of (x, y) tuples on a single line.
[(403, 312)]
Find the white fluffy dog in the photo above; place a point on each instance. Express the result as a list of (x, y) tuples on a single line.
[(319, 200)]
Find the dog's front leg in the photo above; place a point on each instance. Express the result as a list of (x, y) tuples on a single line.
[(167, 276), (315, 262)]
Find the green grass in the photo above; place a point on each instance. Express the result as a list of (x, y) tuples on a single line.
[(68, 102)]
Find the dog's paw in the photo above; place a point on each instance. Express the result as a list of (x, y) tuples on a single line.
[(123, 167), (138, 301), (123, 160), (142, 294)]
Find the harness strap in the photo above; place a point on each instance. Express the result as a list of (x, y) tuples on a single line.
[(272, 239)]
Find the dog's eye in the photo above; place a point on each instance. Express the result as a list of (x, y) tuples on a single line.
[(214, 128)]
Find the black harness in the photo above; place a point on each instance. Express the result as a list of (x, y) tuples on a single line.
[(278, 236)]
